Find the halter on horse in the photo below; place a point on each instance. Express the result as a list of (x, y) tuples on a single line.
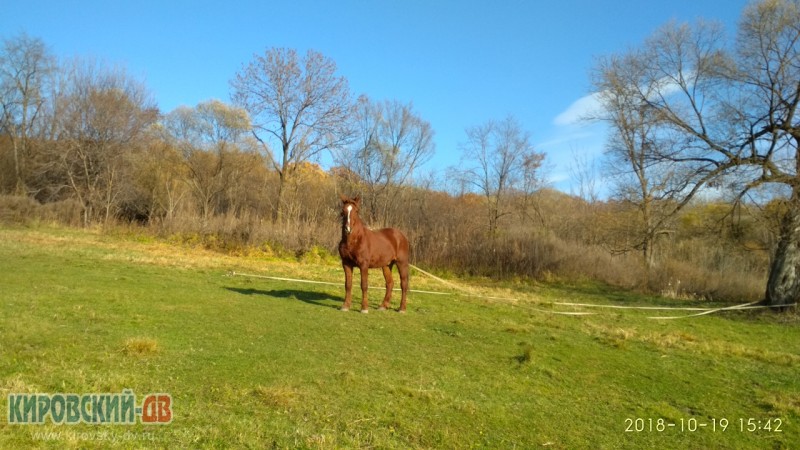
[(367, 249)]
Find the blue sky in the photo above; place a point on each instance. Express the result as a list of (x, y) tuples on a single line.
[(461, 63)]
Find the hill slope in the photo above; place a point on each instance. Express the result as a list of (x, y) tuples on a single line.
[(256, 362)]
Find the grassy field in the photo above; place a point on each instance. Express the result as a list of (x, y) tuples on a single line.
[(260, 363)]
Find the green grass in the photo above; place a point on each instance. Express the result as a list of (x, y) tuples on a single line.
[(259, 363)]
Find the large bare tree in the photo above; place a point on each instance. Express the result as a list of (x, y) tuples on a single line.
[(210, 137), (391, 142), (26, 68), (102, 114), (500, 161), (650, 186), (298, 107), (729, 110)]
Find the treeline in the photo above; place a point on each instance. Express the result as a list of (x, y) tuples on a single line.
[(83, 144)]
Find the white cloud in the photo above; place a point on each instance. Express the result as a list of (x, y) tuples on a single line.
[(591, 105), (580, 109), (561, 139)]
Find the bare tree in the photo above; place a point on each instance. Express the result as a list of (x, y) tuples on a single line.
[(26, 67), (652, 186), (159, 180), (732, 113), (359, 165), (209, 136), (583, 171), (102, 113), (500, 161), (298, 108), (392, 141)]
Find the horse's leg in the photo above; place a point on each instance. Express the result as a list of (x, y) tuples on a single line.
[(364, 286), (387, 275), (403, 268), (348, 287)]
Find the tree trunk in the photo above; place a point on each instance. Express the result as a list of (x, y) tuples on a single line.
[(648, 256), (783, 285), (648, 245), (278, 215), (19, 187)]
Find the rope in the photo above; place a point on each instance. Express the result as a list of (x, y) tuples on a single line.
[(454, 286), (473, 293), (728, 308), (667, 308), (703, 311)]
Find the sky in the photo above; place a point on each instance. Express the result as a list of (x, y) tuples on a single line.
[(459, 62)]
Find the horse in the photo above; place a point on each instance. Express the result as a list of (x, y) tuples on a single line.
[(368, 249)]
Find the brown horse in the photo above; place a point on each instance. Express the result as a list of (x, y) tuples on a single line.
[(367, 249)]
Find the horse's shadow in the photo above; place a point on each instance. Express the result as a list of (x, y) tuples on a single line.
[(310, 297)]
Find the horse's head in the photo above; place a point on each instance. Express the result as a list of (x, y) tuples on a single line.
[(349, 212)]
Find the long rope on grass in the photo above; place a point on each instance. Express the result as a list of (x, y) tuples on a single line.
[(328, 283), (710, 311), (584, 305), (452, 285), (666, 308), (703, 311), (744, 306), (470, 292)]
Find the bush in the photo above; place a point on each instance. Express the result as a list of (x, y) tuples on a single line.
[(22, 210), (15, 209), (682, 279), (242, 236)]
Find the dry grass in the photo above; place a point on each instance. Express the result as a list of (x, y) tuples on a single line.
[(16, 384), (686, 341), (611, 335), (430, 395), (697, 278), (140, 346), (276, 397), (682, 340), (782, 403), (671, 339)]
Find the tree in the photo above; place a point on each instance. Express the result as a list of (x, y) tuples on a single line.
[(583, 172), (209, 136), (391, 141), (102, 115), (298, 108), (732, 114), (159, 179), (650, 186), (26, 67), (500, 161)]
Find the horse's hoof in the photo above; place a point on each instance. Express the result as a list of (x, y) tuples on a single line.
[(344, 309), (401, 311), (382, 308), (364, 311)]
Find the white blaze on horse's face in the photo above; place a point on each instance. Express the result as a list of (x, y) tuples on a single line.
[(349, 209)]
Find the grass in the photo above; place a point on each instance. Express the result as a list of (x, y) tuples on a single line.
[(261, 363), (140, 346)]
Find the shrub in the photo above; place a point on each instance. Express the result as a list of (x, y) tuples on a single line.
[(17, 209)]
